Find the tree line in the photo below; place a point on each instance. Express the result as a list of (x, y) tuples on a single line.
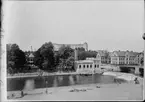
[(45, 58)]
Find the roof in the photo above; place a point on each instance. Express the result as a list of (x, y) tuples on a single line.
[(102, 52), (85, 61), (120, 53), (31, 55), (131, 53), (123, 53), (90, 58)]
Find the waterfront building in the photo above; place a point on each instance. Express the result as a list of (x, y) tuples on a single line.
[(90, 65), (141, 58), (73, 46), (125, 58), (131, 58), (118, 57)]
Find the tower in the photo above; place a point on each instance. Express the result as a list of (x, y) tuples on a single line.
[(86, 46)]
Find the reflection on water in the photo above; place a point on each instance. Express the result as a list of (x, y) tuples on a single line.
[(30, 83), (71, 80), (60, 78), (55, 82)]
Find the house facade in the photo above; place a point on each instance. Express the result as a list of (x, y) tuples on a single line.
[(131, 58), (103, 56), (141, 58), (125, 58), (118, 57)]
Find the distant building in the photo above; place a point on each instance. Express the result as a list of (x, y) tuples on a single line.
[(30, 58), (88, 66), (125, 57), (130, 57), (141, 58), (103, 56), (73, 46), (118, 57)]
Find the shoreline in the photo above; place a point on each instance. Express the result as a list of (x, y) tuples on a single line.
[(90, 89), (46, 74), (120, 75), (37, 75), (91, 92)]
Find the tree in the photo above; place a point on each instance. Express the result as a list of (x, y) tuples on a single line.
[(65, 57), (38, 59), (80, 49), (15, 58), (44, 57), (65, 52), (82, 55), (70, 63)]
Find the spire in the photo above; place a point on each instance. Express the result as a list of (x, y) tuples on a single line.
[(31, 49)]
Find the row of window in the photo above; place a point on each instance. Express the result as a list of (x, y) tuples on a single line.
[(123, 63), (122, 58), (87, 66)]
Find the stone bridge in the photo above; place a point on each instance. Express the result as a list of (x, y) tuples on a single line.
[(135, 67)]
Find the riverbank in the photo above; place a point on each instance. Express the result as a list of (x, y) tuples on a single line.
[(125, 91), (126, 76), (21, 75)]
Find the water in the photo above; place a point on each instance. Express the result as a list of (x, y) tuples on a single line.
[(30, 83)]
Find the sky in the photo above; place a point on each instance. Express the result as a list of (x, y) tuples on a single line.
[(104, 25)]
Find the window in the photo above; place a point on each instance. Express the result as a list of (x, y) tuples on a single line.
[(95, 65), (90, 66), (79, 66), (98, 66), (87, 66), (84, 66)]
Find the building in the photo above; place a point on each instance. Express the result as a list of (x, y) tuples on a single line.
[(118, 57), (103, 56), (131, 58), (124, 58), (73, 46), (30, 58), (141, 58), (90, 65)]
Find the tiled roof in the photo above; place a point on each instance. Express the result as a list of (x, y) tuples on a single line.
[(102, 52), (131, 53), (124, 53), (120, 53)]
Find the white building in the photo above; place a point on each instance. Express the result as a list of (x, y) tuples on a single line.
[(90, 65)]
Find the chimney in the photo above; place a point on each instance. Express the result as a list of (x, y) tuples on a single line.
[(76, 54)]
